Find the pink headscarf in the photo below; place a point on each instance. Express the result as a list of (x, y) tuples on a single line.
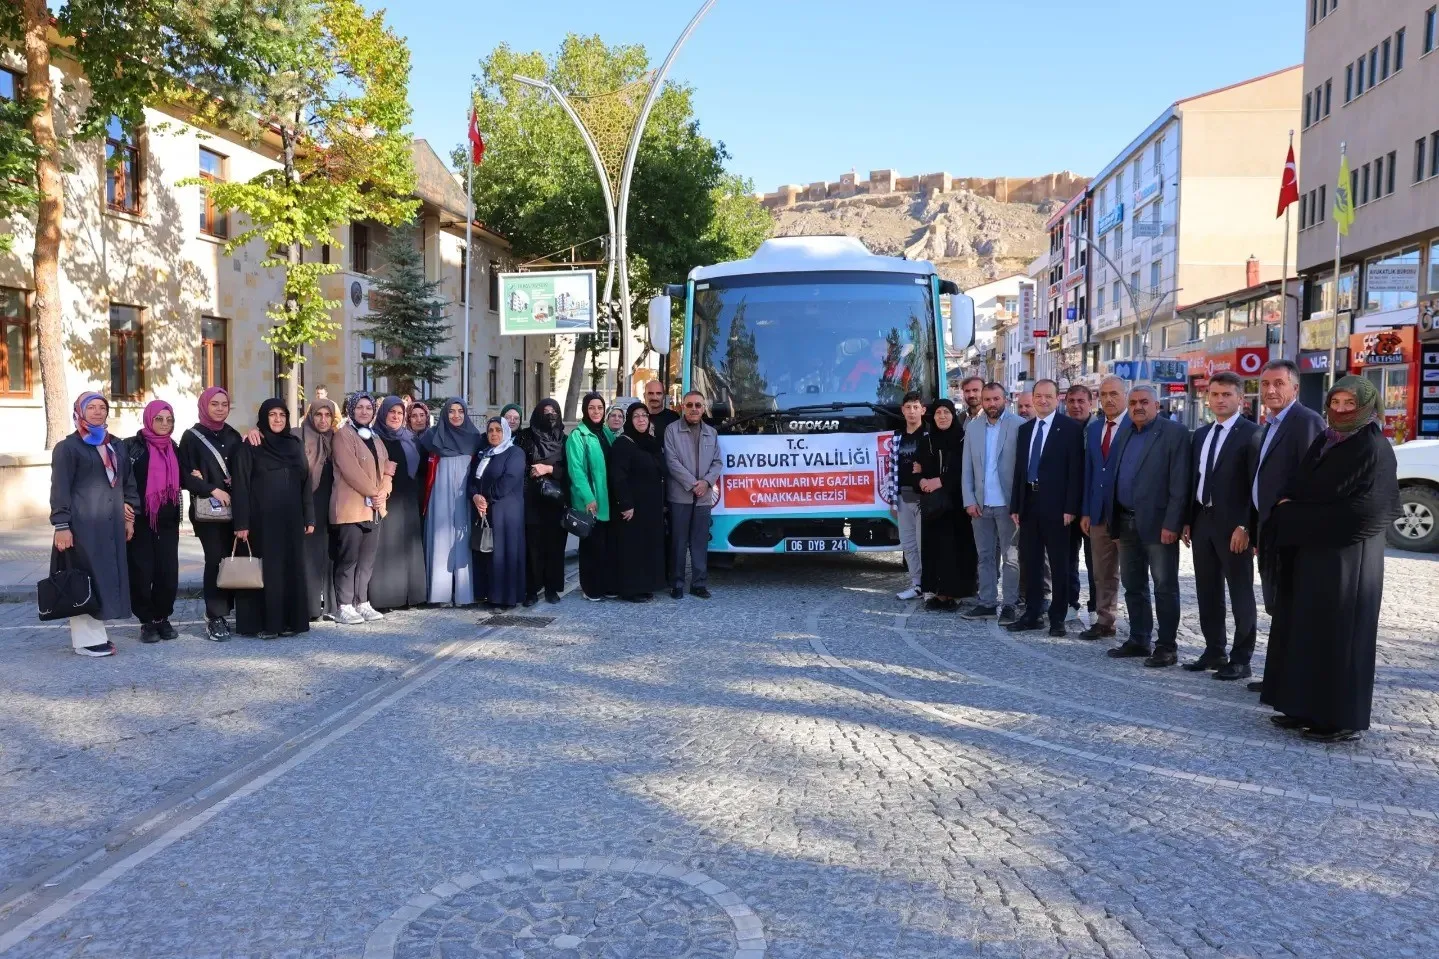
[(162, 480), (205, 398)]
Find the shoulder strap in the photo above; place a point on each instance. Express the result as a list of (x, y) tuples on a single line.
[(211, 447)]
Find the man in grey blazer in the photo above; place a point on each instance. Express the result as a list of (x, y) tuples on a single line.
[(1151, 498), (990, 442)]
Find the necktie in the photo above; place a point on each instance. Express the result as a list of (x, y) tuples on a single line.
[(1035, 449), (1216, 436), (1108, 435)]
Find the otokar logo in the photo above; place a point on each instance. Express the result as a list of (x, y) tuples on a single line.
[(811, 426)]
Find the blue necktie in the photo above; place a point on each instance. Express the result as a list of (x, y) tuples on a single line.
[(1034, 451)]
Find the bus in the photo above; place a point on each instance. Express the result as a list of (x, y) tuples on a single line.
[(804, 352)]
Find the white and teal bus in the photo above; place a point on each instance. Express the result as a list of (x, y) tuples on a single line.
[(804, 352)]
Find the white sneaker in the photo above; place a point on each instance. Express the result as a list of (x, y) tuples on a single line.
[(369, 612), (1072, 616), (911, 593), (106, 648), (349, 617)]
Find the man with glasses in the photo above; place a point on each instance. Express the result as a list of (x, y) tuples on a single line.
[(693, 458)]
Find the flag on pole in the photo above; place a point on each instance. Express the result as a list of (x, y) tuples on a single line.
[(1343, 197), (1289, 190), (477, 142)]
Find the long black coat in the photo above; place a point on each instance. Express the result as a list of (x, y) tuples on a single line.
[(500, 575), (272, 500), (82, 499), (399, 577), (319, 549), (1328, 564), (544, 451), (948, 559), (637, 482)]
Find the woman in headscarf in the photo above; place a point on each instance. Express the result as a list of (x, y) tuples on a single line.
[(93, 507), (154, 550), (615, 422), (417, 418), (513, 415), (207, 465), (1325, 539), (547, 491), (450, 447), (637, 500), (399, 579), (318, 435), (363, 474), (586, 453), (497, 490), (274, 512), (948, 560)]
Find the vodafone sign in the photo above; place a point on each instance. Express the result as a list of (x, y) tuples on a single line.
[(1249, 360)]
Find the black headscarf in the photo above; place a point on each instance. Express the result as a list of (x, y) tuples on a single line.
[(646, 440), (278, 450), (547, 439), (950, 442), (596, 428), (447, 440)]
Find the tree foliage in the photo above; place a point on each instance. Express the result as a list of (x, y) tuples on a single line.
[(411, 322), (18, 155)]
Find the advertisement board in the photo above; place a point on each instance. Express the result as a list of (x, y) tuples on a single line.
[(547, 303), (821, 473)]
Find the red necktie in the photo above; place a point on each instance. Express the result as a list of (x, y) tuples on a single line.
[(1108, 435)]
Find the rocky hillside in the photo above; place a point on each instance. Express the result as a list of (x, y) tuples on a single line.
[(972, 239)]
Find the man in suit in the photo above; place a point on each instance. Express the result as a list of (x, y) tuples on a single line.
[(987, 480), (1024, 404), (1078, 405), (1098, 518), (1151, 489), (1289, 430), (973, 409), (1217, 528), (1045, 499)]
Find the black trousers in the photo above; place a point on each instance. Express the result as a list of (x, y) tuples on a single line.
[(1041, 538), (545, 554), (1216, 566), (596, 556), (1076, 538), (355, 549), (216, 539), (154, 560)]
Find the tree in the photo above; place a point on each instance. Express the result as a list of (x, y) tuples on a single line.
[(538, 185), (18, 157), (411, 321), (329, 80)]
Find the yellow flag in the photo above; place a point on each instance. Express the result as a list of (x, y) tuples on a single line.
[(1343, 197)]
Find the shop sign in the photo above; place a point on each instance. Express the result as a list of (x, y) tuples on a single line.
[(1249, 360), (1074, 279), (1170, 371), (1429, 319), (1026, 301), (1110, 220), (1147, 192), (1317, 361), (1317, 332), (1380, 321), (1392, 278), (1382, 348), (1429, 407), (1148, 228)]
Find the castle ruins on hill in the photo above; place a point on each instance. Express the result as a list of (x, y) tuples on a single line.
[(1058, 187)]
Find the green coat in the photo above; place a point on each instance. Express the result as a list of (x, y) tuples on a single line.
[(589, 481)]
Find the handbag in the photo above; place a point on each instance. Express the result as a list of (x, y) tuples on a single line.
[(581, 522), (936, 503), (486, 541), (240, 572), (209, 510), (550, 490), (67, 592)]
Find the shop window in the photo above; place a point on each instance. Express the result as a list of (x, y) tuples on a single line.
[(122, 168), (15, 369), (214, 352), (127, 353), (212, 170), (1392, 282)]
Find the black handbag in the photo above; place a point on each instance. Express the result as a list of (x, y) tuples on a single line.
[(69, 591), (551, 490), (936, 503), (581, 522)]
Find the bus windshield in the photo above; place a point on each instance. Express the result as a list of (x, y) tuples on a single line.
[(775, 341)]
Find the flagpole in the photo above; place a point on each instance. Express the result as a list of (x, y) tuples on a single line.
[(1338, 236), (1284, 272), (469, 263)]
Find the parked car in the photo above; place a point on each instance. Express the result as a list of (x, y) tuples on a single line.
[(1417, 527)]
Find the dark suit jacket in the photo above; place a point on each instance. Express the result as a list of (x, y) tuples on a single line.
[(1286, 451), (1229, 487), (1098, 471), (1061, 472), (1161, 489)]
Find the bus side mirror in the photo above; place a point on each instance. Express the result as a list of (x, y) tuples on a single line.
[(660, 325), (961, 321)]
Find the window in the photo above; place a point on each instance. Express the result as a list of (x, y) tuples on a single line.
[(1397, 279), (1378, 178), (14, 343), (1328, 95), (122, 168), (1119, 240), (325, 253), (1434, 153), (1434, 267), (517, 383), (494, 381), (494, 286), (127, 353), (367, 372), (11, 83), (1419, 171), (1313, 12), (1099, 302), (1154, 269), (539, 381), (360, 248), (1134, 283), (1431, 28), (1359, 77), (1349, 83), (1307, 119), (212, 170), (1399, 50), (1384, 50), (464, 274), (1114, 297), (1373, 65), (1389, 181), (1323, 197), (213, 352), (1136, 170), (1305, 200), (1354, 186), (1363, 194)]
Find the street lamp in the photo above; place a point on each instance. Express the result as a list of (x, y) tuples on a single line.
[(1148, 321)]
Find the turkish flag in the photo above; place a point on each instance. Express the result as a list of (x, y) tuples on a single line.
[(1289, 191), (477, 142)]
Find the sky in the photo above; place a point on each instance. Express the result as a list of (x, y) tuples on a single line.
[(800, 90)]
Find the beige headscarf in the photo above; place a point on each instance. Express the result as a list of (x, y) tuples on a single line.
[(317, 444)]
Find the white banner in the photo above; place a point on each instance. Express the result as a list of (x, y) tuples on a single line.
[(820, 473), (1392, 278)]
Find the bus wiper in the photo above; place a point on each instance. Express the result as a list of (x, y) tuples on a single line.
[(815, 408)]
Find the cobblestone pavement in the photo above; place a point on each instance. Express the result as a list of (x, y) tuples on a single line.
[(801, 768)]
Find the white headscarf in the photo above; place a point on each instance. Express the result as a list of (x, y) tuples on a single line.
[(506, 441)]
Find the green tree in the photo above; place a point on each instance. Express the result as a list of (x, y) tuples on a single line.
[(411, 321), (538, 186), (329, 80), (18, 157)]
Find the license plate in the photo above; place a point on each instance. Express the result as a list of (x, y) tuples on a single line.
[(828, 544)]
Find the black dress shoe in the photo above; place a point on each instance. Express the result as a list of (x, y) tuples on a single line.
[(1234, 671), (1288, 722), (1130, 649), (531, 600), (699, 592), (1206, 661), (165, 630), (677, 593), (1058, 631), (1161, 658), (1097, 632), (552, 596), (1255, 687), (1007, 615), (1329, 734), (149, 633), (1024, 625), (978, 612)]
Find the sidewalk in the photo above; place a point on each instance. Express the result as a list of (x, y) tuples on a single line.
[(25, 560)]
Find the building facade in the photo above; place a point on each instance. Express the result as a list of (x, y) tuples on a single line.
[(1370, 75), (1066, 295)]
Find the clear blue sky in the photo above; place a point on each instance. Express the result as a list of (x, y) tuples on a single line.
[(802, 90)]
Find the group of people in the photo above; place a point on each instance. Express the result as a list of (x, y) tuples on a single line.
[(996, 507), (375, 507)]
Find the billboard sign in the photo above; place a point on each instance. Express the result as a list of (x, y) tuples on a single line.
[(547, 303)]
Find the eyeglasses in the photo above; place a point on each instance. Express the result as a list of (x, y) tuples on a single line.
[(694, 406)]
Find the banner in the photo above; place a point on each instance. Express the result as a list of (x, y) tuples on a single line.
[(821, 473), (546, 303)]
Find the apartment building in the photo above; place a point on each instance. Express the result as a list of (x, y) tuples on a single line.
[(1067, 294), (1371, 72)]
